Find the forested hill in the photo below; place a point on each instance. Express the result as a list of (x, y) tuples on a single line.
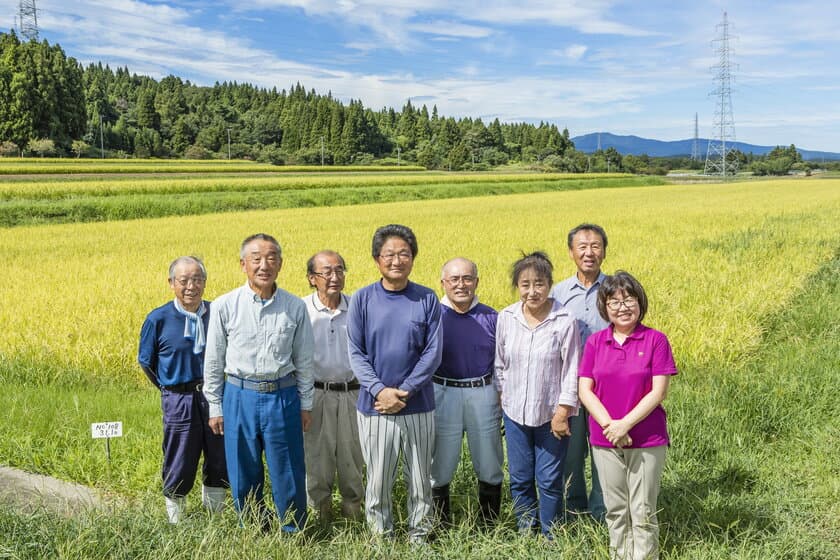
[(50, 102)]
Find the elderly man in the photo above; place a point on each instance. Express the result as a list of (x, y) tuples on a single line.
[(393, 330), (332, 442), (258, 382), (465, 399), (172, 357), (579, 294)]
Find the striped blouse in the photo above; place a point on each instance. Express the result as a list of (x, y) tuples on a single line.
[(536, 369)]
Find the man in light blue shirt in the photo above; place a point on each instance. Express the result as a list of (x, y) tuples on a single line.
[(258, 374), (579, 294)]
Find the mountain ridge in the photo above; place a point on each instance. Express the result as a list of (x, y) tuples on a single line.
[(636, 145)]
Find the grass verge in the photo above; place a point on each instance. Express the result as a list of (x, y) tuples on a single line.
[(91, 207)]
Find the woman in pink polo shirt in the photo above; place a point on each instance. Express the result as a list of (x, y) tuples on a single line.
[(623, 378)]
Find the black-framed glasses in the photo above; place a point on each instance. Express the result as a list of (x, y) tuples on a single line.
[(615, 304), (338, 272)]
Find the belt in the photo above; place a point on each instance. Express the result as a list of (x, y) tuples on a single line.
[(342, 386), (187, 387), (263, 386), (481, 382)]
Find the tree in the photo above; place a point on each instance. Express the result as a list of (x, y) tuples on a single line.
[(41, 146), (80, 147)]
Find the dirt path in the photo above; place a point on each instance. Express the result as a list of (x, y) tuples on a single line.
[(34, 492)]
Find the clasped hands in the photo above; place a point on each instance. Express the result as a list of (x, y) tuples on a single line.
[(390, 400), (617, 433)]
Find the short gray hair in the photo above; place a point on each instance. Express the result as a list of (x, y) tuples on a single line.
[(261, 237), (450, 261), (187, 259)]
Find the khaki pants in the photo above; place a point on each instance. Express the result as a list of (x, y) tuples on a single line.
[(332, 446), (630, 481)]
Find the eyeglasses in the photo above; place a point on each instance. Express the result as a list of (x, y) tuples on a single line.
[(194, 280), (270, 260), (402, 255), (615, 304), (327, 274), (455, 280)]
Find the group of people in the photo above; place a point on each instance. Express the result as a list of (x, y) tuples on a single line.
[(330, 387)]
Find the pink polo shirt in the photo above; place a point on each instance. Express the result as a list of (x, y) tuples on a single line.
[(623, 375)]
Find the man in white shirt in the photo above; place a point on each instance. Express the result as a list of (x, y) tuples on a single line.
[(332, 442)]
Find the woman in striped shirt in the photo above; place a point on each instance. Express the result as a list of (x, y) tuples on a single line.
[(537, 351)]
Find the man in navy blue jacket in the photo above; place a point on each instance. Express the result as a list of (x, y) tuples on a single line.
[(172, 357), (394, 339)]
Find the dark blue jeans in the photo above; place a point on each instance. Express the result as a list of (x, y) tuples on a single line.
[(270, 423), (186, 435), (535, 461)]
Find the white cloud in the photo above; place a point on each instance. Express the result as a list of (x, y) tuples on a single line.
[(572, 53), (451, 29), (393, 20)]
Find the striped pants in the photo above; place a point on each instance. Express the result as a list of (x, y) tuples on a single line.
[(383, 437)]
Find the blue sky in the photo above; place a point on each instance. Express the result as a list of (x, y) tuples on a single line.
[(589, 65)]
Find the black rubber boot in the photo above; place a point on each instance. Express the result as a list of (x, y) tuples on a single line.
[(489, 501), (440, 499)]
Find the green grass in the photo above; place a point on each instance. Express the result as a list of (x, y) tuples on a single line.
[(46, 166), (752, 474), (198, 197)]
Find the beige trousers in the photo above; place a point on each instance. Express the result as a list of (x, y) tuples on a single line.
[(630, 482), (332, 447)]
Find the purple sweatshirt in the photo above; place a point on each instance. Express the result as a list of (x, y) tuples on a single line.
[(394, 340), (469, 342)]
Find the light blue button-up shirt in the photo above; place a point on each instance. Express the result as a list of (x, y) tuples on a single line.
[(258, 340), (582, 303)]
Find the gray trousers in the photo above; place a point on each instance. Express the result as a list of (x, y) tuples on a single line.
[(630, 481), (475, 411), (383, 438), (332, 447)]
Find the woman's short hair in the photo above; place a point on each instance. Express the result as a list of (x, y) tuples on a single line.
[(538, 261), (621, 281)]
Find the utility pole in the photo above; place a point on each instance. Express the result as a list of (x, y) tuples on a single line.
[(322, 151), (398, 156), (228, 129), (721, 146), (101, 137)]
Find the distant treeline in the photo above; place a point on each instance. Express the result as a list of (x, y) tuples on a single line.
[(52, 105)]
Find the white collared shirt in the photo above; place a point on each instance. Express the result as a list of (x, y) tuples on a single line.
[(536, 368), (332, 360)]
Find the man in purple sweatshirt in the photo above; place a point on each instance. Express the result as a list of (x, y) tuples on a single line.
[(394, 340), (466, 402)]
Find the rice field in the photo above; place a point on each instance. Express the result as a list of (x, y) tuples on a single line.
[(729, 269), (38, 166)]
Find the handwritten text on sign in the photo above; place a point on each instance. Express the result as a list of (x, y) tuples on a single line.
[(106, 430)]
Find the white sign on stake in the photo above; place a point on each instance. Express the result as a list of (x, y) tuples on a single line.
[(106, 430)]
